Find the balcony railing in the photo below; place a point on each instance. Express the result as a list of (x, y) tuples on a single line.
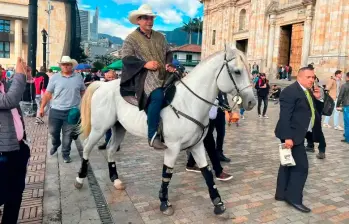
[(188, 62)]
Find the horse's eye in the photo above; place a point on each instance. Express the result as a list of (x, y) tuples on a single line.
[(237, 72)]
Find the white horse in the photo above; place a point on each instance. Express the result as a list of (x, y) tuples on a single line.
[(184, 122)]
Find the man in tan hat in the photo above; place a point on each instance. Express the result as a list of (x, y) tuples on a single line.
[(146, 60), (64, 90)]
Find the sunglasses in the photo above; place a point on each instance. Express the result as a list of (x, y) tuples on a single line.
[(146, 17)]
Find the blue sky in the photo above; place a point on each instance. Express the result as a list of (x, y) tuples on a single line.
[(113, 13)]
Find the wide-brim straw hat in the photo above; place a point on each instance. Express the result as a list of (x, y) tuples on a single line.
[(66, 60), (143, 10)]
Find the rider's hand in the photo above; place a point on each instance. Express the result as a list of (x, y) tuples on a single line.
[(152, 65), (42, 112)]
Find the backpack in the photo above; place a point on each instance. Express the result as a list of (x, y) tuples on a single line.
[(329, 105)]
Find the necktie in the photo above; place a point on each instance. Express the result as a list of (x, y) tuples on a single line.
[(311, 103)]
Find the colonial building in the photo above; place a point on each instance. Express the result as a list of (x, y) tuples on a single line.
[(188, 55), (14, 30), (281, 32)]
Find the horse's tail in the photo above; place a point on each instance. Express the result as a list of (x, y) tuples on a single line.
[(86, 108)]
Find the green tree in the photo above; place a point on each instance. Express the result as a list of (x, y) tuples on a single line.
[(193, 26), (98, 65), (106, 59), (81, 56)]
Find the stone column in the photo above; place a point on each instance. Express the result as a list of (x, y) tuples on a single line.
[(271, 39), (18, 38), (307, 35)]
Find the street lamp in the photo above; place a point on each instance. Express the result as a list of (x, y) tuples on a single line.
[(44, 42)]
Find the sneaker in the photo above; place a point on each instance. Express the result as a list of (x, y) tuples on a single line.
[(339, 128), (265, 116), (326, 126), (321, 155), (194, 169), (66, 159), (224, 176), (260, 116), (38, 120), (53, 151), (242, 117)]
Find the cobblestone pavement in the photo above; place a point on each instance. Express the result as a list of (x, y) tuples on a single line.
[(32, 205), (248, 197)]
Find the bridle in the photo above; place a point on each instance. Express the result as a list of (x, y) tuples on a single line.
[(238, 95)]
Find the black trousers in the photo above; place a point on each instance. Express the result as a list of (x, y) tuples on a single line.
[(291, 180), (322, 142), (210, 147), (13, 169), (265, 101)]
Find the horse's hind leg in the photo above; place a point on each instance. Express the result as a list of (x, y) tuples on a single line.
[(118, 134), (170, 158), (199, 155), (91, 141)]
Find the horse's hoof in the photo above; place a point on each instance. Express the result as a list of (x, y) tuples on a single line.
[(219, 209), (166, 208), (119, 185), (78, 185)]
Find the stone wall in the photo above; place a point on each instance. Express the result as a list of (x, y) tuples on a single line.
[(325, 38)]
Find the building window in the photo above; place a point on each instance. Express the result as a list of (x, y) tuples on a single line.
[(242, 19), (214, 37), (175, 56), (189, 58), (4, 26), (4, 49)]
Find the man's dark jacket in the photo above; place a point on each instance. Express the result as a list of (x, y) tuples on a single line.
[(295, 115)]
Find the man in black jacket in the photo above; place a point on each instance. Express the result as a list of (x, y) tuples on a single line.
[(299, 108)]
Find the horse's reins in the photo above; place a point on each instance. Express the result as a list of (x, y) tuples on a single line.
[(202, 126)]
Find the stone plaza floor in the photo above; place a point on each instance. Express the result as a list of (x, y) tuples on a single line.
[(249, 196)]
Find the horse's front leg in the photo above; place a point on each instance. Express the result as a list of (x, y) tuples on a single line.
[(199, 155), (171, 154), (118, 134)]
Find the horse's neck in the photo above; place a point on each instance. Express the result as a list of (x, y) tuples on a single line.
[(202, 81)]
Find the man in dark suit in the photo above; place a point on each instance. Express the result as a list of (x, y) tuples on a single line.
[(300, 107)]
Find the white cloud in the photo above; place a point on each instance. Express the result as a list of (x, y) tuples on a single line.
[(187, 7), (114, 28), (170, 16)]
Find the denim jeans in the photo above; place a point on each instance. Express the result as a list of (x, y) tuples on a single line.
[(242, 111), (156, 100), (335, 117), (265, 101), (346, 122), (57, 122), (13, 169), (107, 136)]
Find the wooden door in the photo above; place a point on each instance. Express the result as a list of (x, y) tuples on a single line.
[(284, 49), (296, 47)]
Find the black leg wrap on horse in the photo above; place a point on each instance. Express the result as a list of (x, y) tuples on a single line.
[(219, 207), (113, 174), (83, 169), (166, 178)]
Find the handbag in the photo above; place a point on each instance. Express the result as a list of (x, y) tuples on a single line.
[(329, 105), (286, 158)]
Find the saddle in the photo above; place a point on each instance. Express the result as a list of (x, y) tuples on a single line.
[(169, 92)]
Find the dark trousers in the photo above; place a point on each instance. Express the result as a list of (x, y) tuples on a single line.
[(219, 125), (107, 136), (291, 180), (57, 122), (13, 169), (322, 142), (210, 147), (156, 100), (265, 101)]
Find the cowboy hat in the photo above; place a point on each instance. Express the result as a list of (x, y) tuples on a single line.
[(66, 60), (143, 10)]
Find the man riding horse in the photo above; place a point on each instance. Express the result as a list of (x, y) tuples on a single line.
[(146, 60)]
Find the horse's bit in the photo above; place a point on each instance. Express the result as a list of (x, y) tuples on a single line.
[(237, 98)]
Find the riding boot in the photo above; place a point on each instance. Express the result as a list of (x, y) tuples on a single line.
[(156, 143)]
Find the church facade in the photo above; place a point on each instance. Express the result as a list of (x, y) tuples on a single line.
[(281, 32)]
